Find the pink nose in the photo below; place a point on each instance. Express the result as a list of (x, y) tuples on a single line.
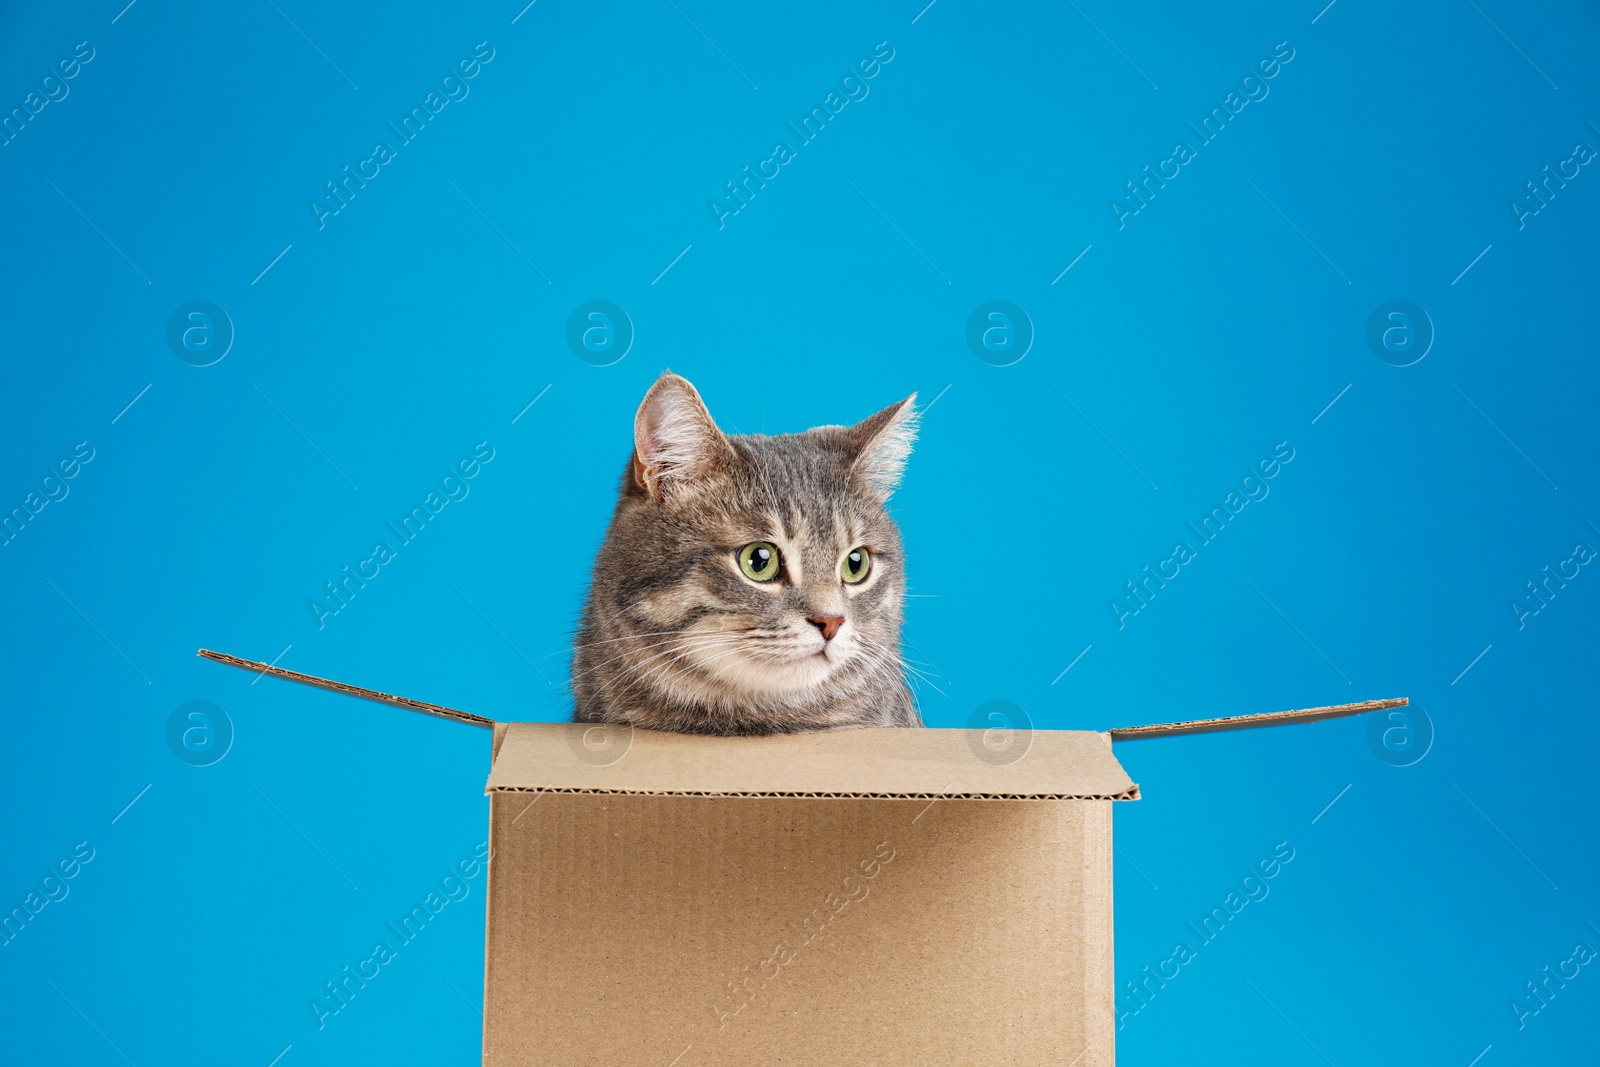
[(828, 624)]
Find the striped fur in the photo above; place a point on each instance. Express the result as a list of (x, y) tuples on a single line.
[(673, 635)]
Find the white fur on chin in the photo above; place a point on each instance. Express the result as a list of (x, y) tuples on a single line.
[(760, 671)]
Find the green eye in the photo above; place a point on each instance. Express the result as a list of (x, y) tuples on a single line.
[(855, 566), (760, 561)]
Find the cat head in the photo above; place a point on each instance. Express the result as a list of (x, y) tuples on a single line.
[(748, 583)]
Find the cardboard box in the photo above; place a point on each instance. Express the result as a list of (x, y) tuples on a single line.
[(876, 896)]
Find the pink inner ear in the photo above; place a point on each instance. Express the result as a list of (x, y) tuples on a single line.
[(651, 443), (674, 437), (655, 412)]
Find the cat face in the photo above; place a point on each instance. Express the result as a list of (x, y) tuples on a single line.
[(748, 584)]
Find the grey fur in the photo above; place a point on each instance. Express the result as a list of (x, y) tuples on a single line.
[(674, 637)]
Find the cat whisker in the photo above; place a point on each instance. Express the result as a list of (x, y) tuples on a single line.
[(614, 640), (669, 644), (918, 679), (676, 649), (667, 668), (689, 661), (621, 655), (630, 637), (608, 619), (899, 665), (929, 662), (909, 666), (660, 633)]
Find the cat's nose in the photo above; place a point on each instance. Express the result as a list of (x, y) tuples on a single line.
[(828, 624)]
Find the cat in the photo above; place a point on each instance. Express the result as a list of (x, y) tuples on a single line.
[(748, 584)]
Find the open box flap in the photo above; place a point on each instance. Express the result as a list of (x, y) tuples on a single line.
[(1054, 764), (1245, 722), (349, 690)]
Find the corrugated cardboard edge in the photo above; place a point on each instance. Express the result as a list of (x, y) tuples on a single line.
[(1244, 722), (845, 764), (1131, 793), (1100, 977), (489, 879)]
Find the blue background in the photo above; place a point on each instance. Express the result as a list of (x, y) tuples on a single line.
[(374, 352)]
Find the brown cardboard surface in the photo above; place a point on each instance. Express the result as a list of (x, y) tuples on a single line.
[(1244, 722), (675, 900), (699, 931), (873, 762)]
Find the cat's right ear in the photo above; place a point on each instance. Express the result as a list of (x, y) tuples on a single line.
[(676, 444), (883, 443)]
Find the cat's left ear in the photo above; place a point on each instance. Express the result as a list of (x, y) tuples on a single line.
[(676, 443), (883, 443)]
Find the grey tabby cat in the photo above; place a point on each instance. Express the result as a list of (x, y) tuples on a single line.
[(748, 584)]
